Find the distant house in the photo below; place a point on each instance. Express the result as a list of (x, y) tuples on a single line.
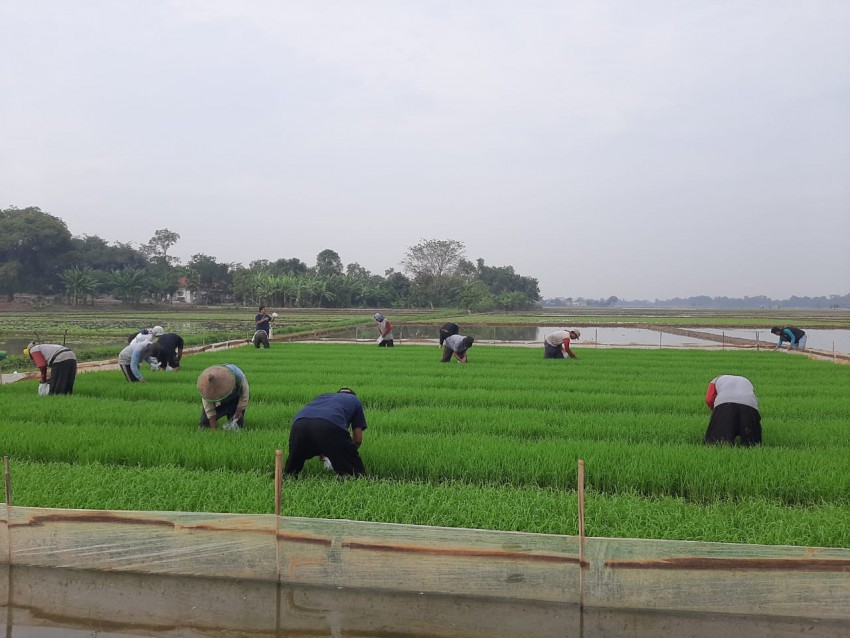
[(183, 293)]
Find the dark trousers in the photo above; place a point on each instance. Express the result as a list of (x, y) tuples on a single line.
[(386, 343), (552, 352), (62, 376), (225, 408), (732, 420), (318, 437), (128, 373), (261, 338)]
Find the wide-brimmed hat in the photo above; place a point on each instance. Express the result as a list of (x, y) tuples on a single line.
[(216, 383), (576, 332), (379, 316), (157, 331)]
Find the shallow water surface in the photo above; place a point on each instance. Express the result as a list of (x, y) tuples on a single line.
[(45, 602)]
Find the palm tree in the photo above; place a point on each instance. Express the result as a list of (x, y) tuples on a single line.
[(79, 284), (130, 284)]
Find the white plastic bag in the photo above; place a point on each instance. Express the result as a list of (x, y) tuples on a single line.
[(43, 389), (233, 426), (328, 465)]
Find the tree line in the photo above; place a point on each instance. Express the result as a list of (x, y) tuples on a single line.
[(39, 255)]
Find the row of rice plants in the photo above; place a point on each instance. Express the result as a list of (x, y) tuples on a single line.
[(450, 504), (508, 420)]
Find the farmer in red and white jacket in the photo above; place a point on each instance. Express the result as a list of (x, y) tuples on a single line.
[(62, 363), (734, 411), (556, 344), (385, 331)]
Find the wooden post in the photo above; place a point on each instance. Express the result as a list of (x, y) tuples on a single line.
[(278, 473), (723, 340), (8, 481), (581, 530), (758, 344)]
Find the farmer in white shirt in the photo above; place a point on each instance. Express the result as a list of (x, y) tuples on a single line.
[(734, 411)]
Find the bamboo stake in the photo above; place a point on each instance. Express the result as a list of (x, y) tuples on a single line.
[(581, 531), (278, 473), (8, 481)]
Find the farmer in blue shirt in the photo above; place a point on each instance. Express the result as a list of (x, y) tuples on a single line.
[(321, 429), (795, 337)]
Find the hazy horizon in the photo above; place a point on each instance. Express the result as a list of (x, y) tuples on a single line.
[(645, 150)]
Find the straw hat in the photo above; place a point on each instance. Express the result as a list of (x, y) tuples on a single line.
[(216, 383), (157, 331), (576, 332)]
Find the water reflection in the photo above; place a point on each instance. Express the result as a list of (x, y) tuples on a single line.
[(819, 339), (53, 602), (603, 336)]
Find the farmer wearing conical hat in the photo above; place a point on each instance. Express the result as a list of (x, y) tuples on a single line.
[(62, 363), (224, 392), (557, 344)]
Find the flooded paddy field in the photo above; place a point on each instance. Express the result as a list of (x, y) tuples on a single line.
[(614, 336)]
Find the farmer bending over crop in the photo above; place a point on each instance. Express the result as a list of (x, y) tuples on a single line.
[(131, 357), (456, 345), (556, 344), (385, 331), (734, 411), (224, 392), (168, 350), (62, 363), (447, 330), (320, 428), (795, 337)]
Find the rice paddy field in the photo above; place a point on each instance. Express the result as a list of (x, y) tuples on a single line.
[(493, 444)]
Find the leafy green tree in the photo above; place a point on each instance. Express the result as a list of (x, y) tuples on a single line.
[(80, 284), (10, 276), (130, 284), (291, 266), (431, 263), (328, 263), (476, 297), (156, 250), (208, 277), (35, 241), (98, 254)]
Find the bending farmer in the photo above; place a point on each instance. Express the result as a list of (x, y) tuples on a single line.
[(62, 363), (168, 350), (224, 392), (447, 330), (556, 344), (385, 331), (131, 356), (456, 345), (320, 428), (795, 337), (734, 411)]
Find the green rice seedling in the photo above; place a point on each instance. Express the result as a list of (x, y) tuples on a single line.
[(508, 425)]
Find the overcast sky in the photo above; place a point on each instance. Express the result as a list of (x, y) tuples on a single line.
[(643, 149)]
